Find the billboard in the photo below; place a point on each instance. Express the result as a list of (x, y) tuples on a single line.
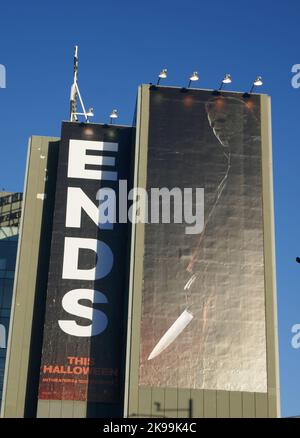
[(203, 296), (84, 329)]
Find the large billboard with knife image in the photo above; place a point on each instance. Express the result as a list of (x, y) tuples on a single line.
[(203, 321)]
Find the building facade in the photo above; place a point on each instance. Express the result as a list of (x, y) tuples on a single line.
[(183, 324), (42, 377), (10, 213)]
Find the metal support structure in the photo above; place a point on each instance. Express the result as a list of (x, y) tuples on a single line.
[(75, 93)]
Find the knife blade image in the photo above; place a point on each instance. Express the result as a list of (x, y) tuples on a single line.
[(172, 333)]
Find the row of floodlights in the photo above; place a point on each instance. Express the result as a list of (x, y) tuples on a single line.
[(258, 82), (195, 77), (90, 113), (162, 75)]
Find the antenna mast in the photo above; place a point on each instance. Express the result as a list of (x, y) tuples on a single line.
[(75, 93)]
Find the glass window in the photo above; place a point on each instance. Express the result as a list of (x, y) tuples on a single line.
[(8, 252)]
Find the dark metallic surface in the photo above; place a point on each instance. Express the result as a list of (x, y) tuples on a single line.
[(191, 136)]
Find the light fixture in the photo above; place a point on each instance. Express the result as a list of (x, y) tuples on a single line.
[(113, 115), (257, 83), (90, 112), (193, 78), (162, 75), (226, 80)]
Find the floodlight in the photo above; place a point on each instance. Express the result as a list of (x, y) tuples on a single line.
[(113, 115), (193, 78), (90, 112), (257, 83), (162, 75), (226, 80)]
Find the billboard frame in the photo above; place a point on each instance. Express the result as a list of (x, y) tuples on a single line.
[(175, 402)]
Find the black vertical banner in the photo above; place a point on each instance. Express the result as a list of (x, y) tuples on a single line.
[(85, 324)]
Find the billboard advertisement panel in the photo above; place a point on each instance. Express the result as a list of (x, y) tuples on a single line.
[(84, 330), (203, 295)]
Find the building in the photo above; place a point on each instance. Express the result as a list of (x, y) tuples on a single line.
[(10, 213), (183, 323), (46, 192), (10, 209)]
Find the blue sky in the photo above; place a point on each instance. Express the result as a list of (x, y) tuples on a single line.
[(125, 43)]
